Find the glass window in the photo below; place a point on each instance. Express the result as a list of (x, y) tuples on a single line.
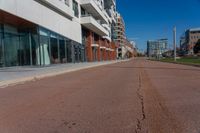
[(35, 47), (24, 50), (82, 53), (54, 49), (11, 45), (62, 51), (75, 8), (44, 46), (19, 47), (69, 50), (83, 12), (76, 53)]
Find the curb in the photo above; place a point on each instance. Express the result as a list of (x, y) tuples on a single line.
[(14, 82)]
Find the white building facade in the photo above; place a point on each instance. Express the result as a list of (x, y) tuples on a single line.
[(45, 32)]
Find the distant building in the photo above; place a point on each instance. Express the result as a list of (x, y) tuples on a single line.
[(183, 45), (155, 48), (191, 38), (120, 36), (182, 41)]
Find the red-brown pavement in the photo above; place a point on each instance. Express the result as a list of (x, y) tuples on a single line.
[(129, 97)]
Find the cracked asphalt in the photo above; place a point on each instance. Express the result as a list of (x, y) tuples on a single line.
[(137, 96)]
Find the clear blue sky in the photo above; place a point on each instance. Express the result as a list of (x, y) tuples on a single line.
[(154, 19)]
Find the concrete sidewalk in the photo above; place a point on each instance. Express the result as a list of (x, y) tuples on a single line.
[(17, 75)]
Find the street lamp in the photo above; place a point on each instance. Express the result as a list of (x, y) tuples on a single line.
[(174, 31)]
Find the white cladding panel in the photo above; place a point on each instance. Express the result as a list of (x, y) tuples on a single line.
[(43, 16)]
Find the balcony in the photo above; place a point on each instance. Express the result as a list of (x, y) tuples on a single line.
[(59, 7), (92, 8), (95, 45), (102, 47), (109, 49), (106, 26), (107, 38), (113, 15), (90, 23), (107, 16), (112, 2)]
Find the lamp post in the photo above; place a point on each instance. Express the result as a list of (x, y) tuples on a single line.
[(174, 31)]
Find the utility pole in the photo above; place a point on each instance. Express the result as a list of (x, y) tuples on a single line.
[(174, 31)]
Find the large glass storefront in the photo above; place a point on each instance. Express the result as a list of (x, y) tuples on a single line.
[(58, 49), (15, 47), (24, 46)]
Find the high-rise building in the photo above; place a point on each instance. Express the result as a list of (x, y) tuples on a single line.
[(45, 32), (155, 48)]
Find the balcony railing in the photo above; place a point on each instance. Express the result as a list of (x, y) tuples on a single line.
[(89, 15), (93, 7), (88, 19), (59, 7)]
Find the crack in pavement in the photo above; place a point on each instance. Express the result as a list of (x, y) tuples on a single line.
[(141, 98), (156, 116)]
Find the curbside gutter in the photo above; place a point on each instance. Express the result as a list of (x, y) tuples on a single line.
[(4, 84)]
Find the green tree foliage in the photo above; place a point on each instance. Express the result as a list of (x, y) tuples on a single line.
[(197, 47)]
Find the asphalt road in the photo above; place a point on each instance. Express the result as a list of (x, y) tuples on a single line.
[(137, 96)]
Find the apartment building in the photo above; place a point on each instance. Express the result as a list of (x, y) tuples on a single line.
[(96, 30), (110, 8), (155, 48), (120, 36), (191, 38), (45, 32)]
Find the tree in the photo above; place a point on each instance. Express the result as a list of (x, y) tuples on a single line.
[(197, 47)]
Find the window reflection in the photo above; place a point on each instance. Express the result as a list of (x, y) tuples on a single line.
[(36, 46)]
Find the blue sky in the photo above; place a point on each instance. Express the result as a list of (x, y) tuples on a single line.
[(154, 19)]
